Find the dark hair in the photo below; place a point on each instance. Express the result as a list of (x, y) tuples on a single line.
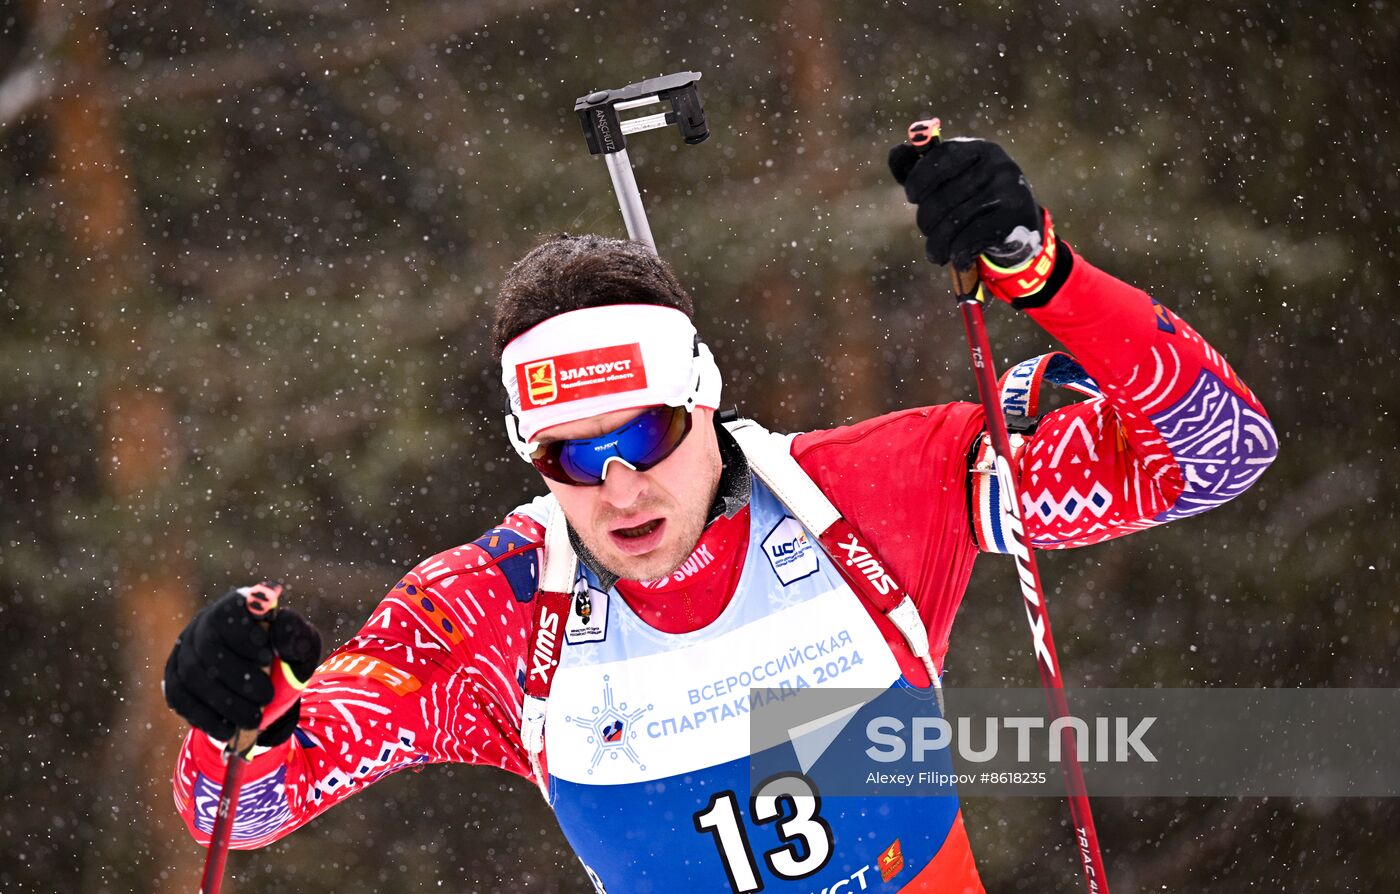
[(565, 273)]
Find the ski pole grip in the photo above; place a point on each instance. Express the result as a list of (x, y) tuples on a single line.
[(261, 600), (967, 284), (923, 136)]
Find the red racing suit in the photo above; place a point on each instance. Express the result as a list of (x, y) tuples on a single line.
[(436, 673)]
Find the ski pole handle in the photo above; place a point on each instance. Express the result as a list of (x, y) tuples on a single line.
[(261, 600), (923, 136)]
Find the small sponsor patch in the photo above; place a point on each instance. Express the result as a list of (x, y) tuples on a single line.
[(588, 616), (591, 373), (790, 551), (891, 861)]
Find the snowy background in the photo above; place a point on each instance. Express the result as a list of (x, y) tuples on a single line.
[(247, 249)]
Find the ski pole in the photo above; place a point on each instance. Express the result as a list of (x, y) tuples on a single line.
[(261, 600), (971, 296), (606, 133)]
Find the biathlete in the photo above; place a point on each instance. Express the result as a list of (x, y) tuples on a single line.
[(600, 640)]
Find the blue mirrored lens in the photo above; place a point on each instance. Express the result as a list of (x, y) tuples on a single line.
[(641, 443)]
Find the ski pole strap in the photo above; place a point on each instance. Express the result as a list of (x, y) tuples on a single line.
[(1020, 385), (558, 570), (770, 457), (1019, 393)]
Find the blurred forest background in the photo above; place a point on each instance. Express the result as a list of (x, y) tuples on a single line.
[(247, 252)]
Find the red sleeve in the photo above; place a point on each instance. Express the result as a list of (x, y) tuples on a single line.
[(1176, 432), (434, 676), (901, 480)]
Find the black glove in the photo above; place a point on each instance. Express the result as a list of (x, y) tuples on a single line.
[(216, 677), (972, 200)]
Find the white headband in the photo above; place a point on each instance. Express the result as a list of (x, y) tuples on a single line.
[(602, 359)]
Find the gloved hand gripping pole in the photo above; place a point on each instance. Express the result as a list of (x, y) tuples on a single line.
[(262, 600)]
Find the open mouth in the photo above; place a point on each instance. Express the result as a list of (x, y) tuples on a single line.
[(638, 540), (641, 530)]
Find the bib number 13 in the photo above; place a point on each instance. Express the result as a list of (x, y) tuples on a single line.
[(792, 802)]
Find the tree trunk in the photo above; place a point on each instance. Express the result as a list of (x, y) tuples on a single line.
[(817, 84), (140, 455)]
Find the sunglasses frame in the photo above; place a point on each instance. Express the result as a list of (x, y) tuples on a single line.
[(547, 458)]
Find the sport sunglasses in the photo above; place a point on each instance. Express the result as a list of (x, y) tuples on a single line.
[(641, 444)]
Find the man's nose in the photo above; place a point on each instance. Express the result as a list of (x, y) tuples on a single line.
[(622, 485)]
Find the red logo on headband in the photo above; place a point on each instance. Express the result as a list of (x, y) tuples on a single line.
[(581, 374), (537, 383)]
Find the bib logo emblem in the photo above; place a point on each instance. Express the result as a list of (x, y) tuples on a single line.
[(612, 729), (790, 551), (540, 382)]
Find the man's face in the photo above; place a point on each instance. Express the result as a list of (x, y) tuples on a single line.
[(643, 525)]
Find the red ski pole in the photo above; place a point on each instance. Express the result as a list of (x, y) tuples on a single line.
[(970, 295), (262, 601)]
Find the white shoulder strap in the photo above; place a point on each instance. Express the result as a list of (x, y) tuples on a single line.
[(770, 457), (559, 565)]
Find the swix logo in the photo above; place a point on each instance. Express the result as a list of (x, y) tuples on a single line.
[(539, 382), (859, 558), (546, 645), (698, 561), (1016, 534)]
